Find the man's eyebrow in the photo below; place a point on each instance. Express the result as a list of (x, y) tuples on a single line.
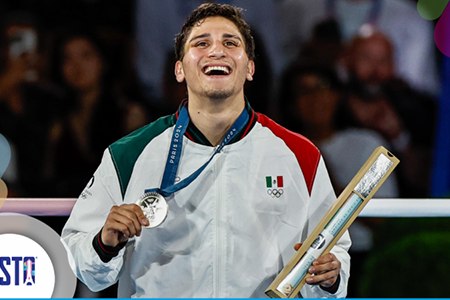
[(231, 36), (225, 35), (200, 36)]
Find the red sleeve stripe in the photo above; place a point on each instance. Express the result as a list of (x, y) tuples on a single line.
[(308, 156), (103, 249)]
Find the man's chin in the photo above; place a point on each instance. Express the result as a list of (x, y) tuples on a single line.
[(219, 94)]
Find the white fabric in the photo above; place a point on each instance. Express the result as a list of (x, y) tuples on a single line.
[(411, 35), (224, 235)]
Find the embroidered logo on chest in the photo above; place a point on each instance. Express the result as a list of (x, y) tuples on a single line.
[(274, 186)]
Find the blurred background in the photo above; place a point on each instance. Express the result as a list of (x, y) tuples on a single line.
[(76, 75)]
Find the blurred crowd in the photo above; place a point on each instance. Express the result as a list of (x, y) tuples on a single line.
[(351, 75)]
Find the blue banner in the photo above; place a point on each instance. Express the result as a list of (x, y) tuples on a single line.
[(440, 185)]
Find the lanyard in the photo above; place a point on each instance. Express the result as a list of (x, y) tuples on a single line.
[(173, 159), (372, 18)]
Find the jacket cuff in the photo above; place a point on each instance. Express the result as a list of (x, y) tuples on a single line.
[(106, 253), (333, 289)]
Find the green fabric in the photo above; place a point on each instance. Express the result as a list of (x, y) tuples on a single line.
[(126, 151)]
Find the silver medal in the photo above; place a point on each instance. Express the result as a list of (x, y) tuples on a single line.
[(155, 208)]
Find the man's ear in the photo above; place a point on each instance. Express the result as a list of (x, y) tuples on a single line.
[(179, 72), (250, 70)]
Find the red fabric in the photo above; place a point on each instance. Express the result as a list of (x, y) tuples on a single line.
[(280, 181), (308, 156), (189, 137), (101, 245)]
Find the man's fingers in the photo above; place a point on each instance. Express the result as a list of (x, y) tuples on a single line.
[(320, 269), (114, 233), (127, 221), (325, 263), (128, 214), (325, 270), (123, 222), (137, 211), (326, 279), (325, 259), (140, 215), (297, 246)]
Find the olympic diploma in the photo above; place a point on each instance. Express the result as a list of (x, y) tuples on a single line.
[(340, 216), (154, 207)]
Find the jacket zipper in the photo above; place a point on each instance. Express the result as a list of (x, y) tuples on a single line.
[(220, 249)]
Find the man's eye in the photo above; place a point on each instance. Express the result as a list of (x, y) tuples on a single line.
[(229, 43), (201, 44)]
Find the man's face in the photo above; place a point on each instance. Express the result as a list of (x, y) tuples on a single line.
[(215, 64), (372, 61), (82, 64), (316, 100)]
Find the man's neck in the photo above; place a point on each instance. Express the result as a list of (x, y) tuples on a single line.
[(215, 117)]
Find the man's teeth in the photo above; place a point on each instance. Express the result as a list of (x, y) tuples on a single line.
[(208, 70)]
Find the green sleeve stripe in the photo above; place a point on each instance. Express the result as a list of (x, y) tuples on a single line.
[(127, 150)]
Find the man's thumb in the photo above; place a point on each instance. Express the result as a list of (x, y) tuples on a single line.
[(297, 246)]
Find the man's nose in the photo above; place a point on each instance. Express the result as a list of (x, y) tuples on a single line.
[(217, 50)]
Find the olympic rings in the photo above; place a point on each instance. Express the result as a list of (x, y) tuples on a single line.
[(275, 193)]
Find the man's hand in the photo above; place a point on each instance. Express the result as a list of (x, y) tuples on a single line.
[(325, 270), (123, 222)]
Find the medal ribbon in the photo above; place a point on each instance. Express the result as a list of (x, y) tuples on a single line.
[(168, 185)]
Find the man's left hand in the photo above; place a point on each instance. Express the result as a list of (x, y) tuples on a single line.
[(325, 270)]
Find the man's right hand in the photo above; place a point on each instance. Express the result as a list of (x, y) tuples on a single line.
[(123, 222)]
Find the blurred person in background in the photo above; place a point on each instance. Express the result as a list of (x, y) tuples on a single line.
[(325, 45), (260, 89), (28, 102), (411, 35), (173, 92), (314, 100), (97, 114), (384, 103)]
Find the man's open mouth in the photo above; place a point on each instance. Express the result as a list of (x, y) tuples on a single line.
[(216, 70)]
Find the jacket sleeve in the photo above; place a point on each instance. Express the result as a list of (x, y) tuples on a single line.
[(86, 220), (322, 198)]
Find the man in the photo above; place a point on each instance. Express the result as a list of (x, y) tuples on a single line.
[(152, 43), (384, 103), (245, 192), (411, 35)]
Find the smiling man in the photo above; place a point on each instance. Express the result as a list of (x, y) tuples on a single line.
[(212, 200)]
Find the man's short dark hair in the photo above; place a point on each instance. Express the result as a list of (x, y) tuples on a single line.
[(207, 10)]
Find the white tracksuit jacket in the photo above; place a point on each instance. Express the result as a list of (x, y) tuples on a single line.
[(227, 234)]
